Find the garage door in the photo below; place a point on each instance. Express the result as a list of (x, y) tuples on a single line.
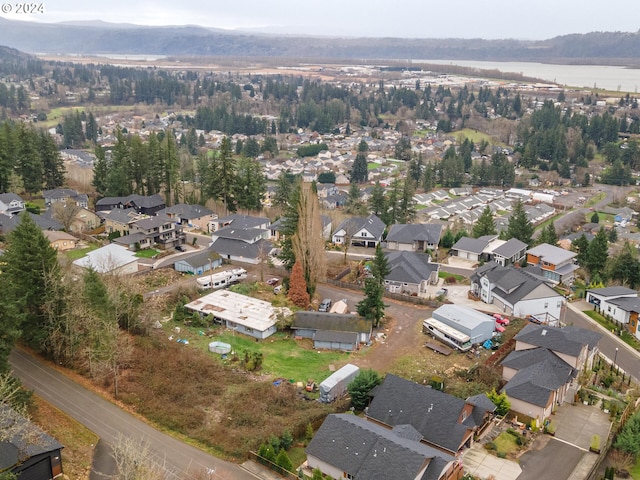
[(38, 471)]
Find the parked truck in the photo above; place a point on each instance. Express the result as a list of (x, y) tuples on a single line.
[(336, 385)]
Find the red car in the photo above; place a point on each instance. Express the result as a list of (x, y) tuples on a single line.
[(500, 319), (500, 328)]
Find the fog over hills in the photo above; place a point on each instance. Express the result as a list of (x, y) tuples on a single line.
[(91, 37)]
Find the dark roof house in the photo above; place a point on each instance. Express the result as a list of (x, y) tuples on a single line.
[(444, 421), (414, 237), (148, 205), (410, 272), (360, 231), (347, 446)]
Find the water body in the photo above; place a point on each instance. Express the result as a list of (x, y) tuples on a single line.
[(599, 76)]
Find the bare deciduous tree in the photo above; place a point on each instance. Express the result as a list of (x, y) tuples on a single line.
[(66, 213)]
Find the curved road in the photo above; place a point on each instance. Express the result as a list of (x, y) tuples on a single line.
[(108, 421)]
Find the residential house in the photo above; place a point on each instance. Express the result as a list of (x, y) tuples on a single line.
[(240, 313), (8, 224), (77, 219), (65, 195), (149, 232), (61, 241), (198, 263), (111, 258), (510, 252), (360, 231), (11, 204), (410, 273), (332, 331), (239, 221), (118, 220), (517, 292), (444, 422), (619, 303), (469, 248), (247, 245), (147, 205), (557, 264), (190, 215), (542, 371), (348, 446), (418, 237), (28, 452)]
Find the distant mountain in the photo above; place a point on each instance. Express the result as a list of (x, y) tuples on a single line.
[(100, 37)]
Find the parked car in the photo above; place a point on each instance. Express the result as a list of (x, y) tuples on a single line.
[(499, 328), (273, 281), (442, 292), (325, 305), (180, 248), (500, 319)]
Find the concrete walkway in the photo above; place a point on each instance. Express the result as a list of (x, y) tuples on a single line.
[(480, 463)]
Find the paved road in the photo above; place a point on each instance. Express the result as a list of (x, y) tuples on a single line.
[(626, 359), (109, 421)]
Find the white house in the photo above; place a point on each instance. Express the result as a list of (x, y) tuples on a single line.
[(243, 314), (111, 258), (360, 231)]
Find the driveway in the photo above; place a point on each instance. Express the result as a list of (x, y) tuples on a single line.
[(566, 456)]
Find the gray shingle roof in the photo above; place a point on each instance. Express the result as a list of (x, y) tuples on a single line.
[(612, 291), (628, 304), (330, 321), (540, 372), (567, 340), (432, 413), (238, 248), (243, 221), (199, 259), (372, 223), (184, 210), (369, 451), (473, 245), (408, 233), (409, 267), (511, 284), (350, 338), (510, 248), (236, 233), (551, 254), (10, 197)]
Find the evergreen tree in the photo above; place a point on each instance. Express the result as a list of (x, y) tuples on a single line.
[(581, 246), (283, 460), (485, 225), (519, 225), (407, 205), (360, 387), (548, 235), (284, 187), (31, 267), (250, 185), (447, 239), (226, 175), (372, 306), (595, 218), (597, 253), (377, 201), (625, 267), (52, 164), (354, 204), (359, 172)]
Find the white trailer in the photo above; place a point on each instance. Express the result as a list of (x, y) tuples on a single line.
[(221, 279), (336, 385)]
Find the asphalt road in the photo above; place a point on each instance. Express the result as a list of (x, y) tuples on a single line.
[(625, 359), (109, 422)]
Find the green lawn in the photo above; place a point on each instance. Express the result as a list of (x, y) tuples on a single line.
[(147, 253), (595, 199), (282, 357), (602, 217), (625, 336), (80, 252), (473, 135), (459, 278), (635, 471), (549, 220), (373, 165), (506, 443)]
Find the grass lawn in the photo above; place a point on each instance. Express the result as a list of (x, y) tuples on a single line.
[(78, 441), (603, 217), (506, 443), (459, 278), (635, 471), (473, 135), (77, 253), (595, 199), (282, 356), (147, 253), (625, 336), (421, 207), (549, 220), (373, 165), (297, 456)]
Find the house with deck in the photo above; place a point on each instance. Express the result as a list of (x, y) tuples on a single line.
[(557, 264)]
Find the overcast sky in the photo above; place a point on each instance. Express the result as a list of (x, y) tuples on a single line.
[(519, 19)]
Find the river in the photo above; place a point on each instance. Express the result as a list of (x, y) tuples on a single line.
[(608, 77)]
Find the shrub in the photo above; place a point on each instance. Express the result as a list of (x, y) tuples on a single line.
[(286, 440), (490, 446), (501, 455), (284, 461)]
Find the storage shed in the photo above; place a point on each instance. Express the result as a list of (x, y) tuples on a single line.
[(198, 263), (477, 325), (328, 340)]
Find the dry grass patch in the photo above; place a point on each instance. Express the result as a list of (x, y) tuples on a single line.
[(79, 442)]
